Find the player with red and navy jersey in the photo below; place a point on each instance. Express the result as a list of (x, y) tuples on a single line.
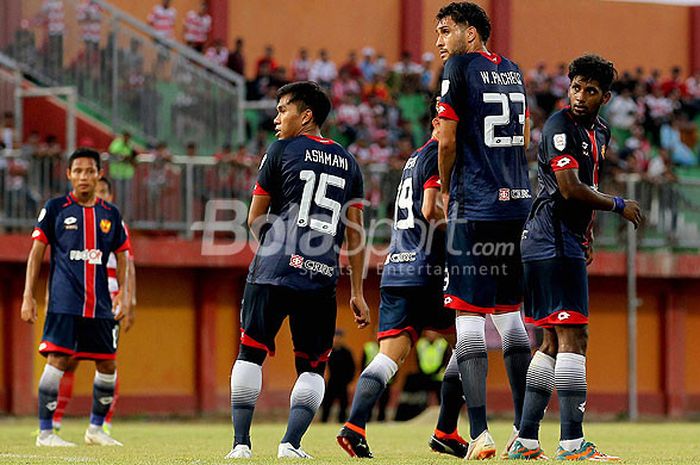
[(65, 391), (309, 189), (81, 321), (411, 301), (556, 247), (484, 176)]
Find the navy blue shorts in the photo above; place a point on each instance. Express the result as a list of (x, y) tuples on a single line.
[(413, 309), (556, 292), (484, 271), (311, 319), (80, 337)]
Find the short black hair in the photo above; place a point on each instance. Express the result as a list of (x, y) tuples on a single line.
[(85, 153), (467, 14), (595, 68), (106, 180), (307, 95)]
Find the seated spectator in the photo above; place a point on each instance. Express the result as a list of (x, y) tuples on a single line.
[(671, 140), (217, 53)]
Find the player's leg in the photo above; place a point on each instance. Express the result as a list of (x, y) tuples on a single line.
[(108, 419), (538, 391), (260, 321), (65, 393), (98, 340), (472, 293), (313, 343), (57, 345), (396, 335)]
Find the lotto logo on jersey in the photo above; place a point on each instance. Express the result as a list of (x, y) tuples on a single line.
[(92, 256), (563, 161)]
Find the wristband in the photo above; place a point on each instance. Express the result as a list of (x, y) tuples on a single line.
[(618, 204)]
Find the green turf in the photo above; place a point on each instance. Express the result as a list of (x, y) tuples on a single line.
[(165, 443)]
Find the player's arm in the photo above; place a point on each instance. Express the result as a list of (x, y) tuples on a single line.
[(355, 242), (571, 188), (447, 153), (526, 132), (120, 304), (257, 213), (36, 256), (432, 208)]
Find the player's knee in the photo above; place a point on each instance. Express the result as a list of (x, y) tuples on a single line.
[(550, 343), (304, 365), (107, 367), (60, 361), (252, 355), (573, 339)]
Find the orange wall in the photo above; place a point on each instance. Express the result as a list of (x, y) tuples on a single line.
[(629, 34), (338, 26), (141, 9)]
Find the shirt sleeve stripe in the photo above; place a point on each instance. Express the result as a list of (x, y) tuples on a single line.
[(38, 235), (563, 162), (447, 112), (432, 183), (259, 190)]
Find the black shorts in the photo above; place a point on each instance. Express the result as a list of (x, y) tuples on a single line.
[(413, 309), (556, 292), (80, 337), (311, 319), (484, 272)]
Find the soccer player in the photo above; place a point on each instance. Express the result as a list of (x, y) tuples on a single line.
[(411, 301), (485, 185), (556, 246), (308, 190), (81, 320), (65, 390)]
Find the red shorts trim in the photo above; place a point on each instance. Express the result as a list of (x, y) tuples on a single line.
[(561, 318), (314, 363), (90, 356), (508, 308), (250, 342), (455, 303), (529, 319), (447, 112), (395, 332), (46, 347)]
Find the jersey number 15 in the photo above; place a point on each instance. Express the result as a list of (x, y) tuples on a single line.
[(320, 198), (491, 121)]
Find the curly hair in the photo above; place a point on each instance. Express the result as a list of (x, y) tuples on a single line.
[(594, 67), (467, 14)]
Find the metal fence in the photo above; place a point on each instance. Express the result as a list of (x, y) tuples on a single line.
[(171, 194), (129, 78)]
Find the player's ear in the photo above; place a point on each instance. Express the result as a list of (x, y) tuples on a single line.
[(308, 117), (606, 97)]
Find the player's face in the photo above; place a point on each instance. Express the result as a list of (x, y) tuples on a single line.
[(289, 121), (451, 38), (103, 191), (84, 175), (586, 97)]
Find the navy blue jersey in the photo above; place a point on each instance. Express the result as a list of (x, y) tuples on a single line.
[(415, 257), (81, 239), (558, 227), (310, 181), (486, 95)]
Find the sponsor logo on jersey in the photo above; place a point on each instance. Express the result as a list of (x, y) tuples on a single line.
[(506, 194), (559, 141), (448, 300), (444, 88), (563, 161), (563, 316), (297, 261), (70, 223), (105, 226), (402, 257), (92, 256)]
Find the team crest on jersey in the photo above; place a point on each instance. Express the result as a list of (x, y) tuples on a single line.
[(504, 194), (559, 141), (105, 226)]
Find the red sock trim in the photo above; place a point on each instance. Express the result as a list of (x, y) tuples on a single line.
[(356, 429)]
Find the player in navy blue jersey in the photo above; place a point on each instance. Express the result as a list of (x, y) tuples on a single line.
[(411, 301), (556, 246), (308, 190), (485, 185), (81, 321)]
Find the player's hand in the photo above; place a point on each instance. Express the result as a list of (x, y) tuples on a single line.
[(129, 320), (632, 213), (360, 311), (28, 311), (119, 307), (589, 254), (445, 202)]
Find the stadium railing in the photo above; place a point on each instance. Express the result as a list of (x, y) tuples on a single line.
[(172, 194), (132, 79)]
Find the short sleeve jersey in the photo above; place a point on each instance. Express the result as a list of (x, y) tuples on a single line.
[(112, 282), (485, 94), (417, 252), (81, 239), (558, 227), (311, 182)]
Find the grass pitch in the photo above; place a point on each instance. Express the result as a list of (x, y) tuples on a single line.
[(200, 443)]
